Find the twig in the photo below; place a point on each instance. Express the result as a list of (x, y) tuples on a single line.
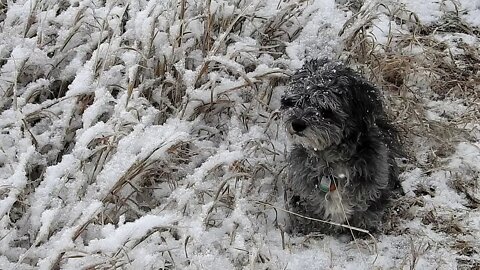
[(326, 222)]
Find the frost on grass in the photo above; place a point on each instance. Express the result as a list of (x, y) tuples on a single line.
[(141, 134)]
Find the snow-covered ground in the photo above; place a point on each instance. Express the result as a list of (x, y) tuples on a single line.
[(145, 134)]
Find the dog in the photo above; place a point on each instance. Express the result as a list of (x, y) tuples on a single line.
[(341, 167)]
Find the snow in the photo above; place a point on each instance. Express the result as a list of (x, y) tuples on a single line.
[(81, 83), (116, 238), (319, 19), (118, 150), (427, 11), (467, 155), (471, 13)]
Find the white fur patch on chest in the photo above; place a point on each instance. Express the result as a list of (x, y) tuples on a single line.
[(335, 209)]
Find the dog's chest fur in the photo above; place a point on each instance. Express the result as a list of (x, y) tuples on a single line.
[(307, 170)]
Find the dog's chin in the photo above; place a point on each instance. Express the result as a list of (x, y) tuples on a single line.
[(314, 140)]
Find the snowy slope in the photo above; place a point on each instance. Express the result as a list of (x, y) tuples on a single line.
[(145, 134)]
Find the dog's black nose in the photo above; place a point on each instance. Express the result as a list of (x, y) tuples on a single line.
[(298, 125)]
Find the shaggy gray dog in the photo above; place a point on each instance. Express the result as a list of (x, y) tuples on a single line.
[(342, 166)]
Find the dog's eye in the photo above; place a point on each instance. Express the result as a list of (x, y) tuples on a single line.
[(327, 113), (288, 102)]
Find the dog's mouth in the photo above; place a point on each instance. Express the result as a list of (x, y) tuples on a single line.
[(307, 140), (310, 137), (293, 133)]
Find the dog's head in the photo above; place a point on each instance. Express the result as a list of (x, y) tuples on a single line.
[(327, 103)]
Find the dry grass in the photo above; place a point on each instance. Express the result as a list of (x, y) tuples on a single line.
[(404, 65), (159, 79), (211, 80), (416, 55)]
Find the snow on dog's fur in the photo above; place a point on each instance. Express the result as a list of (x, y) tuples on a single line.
[(342, 162)]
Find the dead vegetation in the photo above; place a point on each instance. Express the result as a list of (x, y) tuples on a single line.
[(414, 56), (212, 79), (225, 81)]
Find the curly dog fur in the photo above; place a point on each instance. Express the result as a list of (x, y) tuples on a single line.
[(342, 163)]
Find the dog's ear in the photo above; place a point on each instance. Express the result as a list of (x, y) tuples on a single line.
[(366, 101)]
